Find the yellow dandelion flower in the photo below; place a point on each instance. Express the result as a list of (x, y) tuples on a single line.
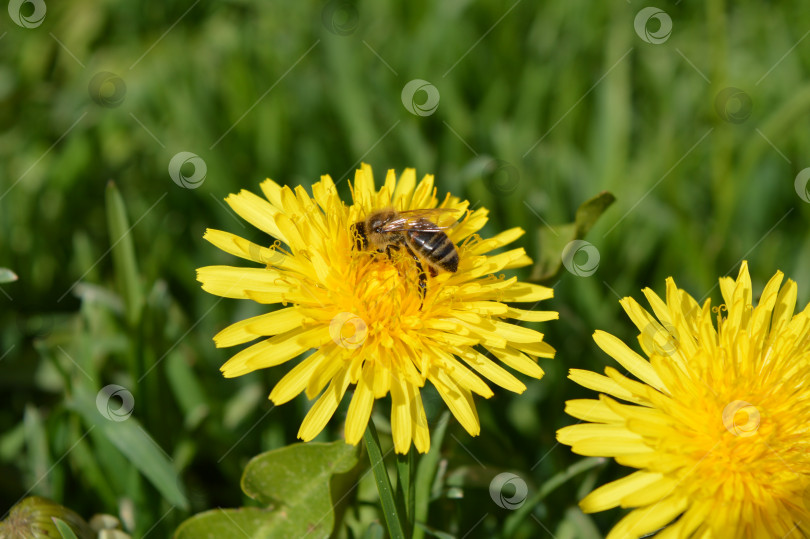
[(718, 422), (370, 322)]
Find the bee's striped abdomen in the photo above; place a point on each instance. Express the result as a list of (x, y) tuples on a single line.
[(436, 248)]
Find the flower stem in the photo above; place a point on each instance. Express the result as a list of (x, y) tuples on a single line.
[(392, 513), (405, 490), (425, 476)]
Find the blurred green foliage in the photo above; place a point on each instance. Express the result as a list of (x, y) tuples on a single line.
[(541, 107)]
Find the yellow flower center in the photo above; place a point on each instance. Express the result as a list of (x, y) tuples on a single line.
[(743, 441), (385, 290)]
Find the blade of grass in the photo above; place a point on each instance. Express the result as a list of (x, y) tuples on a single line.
[(424, 476), (12, 441), (85, 459), (130, 438), (393, 518), (39, 460), (434, 532), (187, 389), (123, 253), (405, 491)]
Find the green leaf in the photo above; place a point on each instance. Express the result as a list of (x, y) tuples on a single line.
[(63, 529), (247, 522), (123, 252), (297, 478), (7, 276), (293, 482), (555, 240), (127, 434)]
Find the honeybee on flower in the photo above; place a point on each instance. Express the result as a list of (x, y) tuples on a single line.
[(389, 293)]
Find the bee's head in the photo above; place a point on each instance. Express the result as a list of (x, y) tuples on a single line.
[(380, 219)]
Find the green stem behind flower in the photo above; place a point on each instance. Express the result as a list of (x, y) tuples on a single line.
[(405, 490), (393, 514), (425, 474)]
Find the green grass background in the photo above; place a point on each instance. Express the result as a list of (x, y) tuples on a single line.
[(695, 195)]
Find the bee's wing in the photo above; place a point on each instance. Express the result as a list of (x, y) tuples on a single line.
[(420, 219), (405, 223), (426, 212), (418, 224)]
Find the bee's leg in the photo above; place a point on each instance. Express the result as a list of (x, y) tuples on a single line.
[(388, 249), (422, 284), (422, 276)]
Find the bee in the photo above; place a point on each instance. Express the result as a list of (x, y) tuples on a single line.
[(390, 230)]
